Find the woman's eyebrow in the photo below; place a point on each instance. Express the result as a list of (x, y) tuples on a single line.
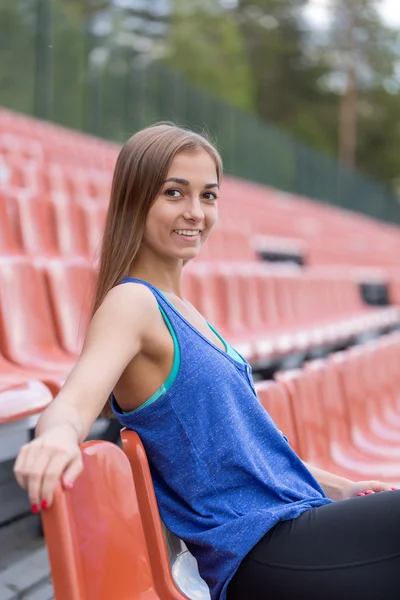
[(186, 183)]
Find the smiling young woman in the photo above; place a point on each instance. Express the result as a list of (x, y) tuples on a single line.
[(259, 521)]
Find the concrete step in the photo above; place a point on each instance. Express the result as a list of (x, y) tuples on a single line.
[(24, 565), (43, 592), (28, 577)]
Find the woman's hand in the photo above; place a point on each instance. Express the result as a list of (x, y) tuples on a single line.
[(40, 464), (339, 488), (352, 489)]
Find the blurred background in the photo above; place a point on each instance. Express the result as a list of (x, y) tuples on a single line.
[(286, 87)]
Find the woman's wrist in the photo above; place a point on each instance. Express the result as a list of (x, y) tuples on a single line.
[(335, 487)]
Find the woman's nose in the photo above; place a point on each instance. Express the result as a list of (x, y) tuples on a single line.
[(195, 211)]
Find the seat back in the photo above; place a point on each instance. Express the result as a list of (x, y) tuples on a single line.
[(71, 283), (26, 318), (10, 240), (70, 226), (37, 224), (331, 392), (268, 301), (172, 564), (94, 533), (286, 290), (94, 218), (275, 400), (349, 368), (309, 413), (22, 399)]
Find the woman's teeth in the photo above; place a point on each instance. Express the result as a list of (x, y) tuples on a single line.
[(187, 232)]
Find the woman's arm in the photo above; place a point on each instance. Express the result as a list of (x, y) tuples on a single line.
[(113, 339), (334, 486), (340, 488), (115, 336)]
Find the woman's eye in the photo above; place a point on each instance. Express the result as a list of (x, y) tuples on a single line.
[(210, 196), (173, 193)]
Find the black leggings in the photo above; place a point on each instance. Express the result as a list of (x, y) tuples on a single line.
[(349, 550)]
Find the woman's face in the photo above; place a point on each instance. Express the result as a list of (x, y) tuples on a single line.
[(185, 211)]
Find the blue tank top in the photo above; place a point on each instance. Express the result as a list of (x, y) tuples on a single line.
[(223, 473)]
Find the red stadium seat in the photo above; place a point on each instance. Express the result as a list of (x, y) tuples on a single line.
[(10, 238), (96, 539), (20, 400), (70, 226), (28, 332), (324, 434), (37, 225), (94, 217), (71, 284), (276, 402), (164, 557), (369, 432)]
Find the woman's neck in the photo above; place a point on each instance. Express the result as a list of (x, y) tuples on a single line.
[(166, 278)]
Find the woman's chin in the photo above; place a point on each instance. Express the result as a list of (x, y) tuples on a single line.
[(188, 254)]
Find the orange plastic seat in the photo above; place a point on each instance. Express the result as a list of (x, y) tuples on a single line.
[(19, 400), (276, 402), (29, 339), (37, 225), (322, 423), (94, 218), (71, 283), (69, 223), (11, 374), (20, 406), (370, 432), (10, 242), (98, 547), (172, 564)]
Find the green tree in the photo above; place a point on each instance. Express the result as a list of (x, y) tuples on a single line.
[(286, 76), (17, 54), (205, 46), (361, 53)]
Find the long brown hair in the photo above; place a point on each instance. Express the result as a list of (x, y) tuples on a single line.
[(140, 170)]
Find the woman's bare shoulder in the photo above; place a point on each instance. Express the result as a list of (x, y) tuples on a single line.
[(128, 302)]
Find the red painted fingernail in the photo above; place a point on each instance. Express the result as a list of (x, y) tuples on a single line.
[(369, 492), (34, 508), (69, 485), (395, 489), (45, 504), (360, 494)]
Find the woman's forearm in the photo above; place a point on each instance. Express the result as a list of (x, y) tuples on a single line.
[(334, 486), (59, 414)]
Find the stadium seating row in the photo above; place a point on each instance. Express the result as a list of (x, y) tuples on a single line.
[(267, 312), (50, 162), (345, 411), (314, 407), (263, 311), (49, 143), (327, 235)]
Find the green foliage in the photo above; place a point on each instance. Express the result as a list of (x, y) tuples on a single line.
[(255, 76), (17, 54), (379, 136), (205, 46), (359, 39), (287, 79)]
